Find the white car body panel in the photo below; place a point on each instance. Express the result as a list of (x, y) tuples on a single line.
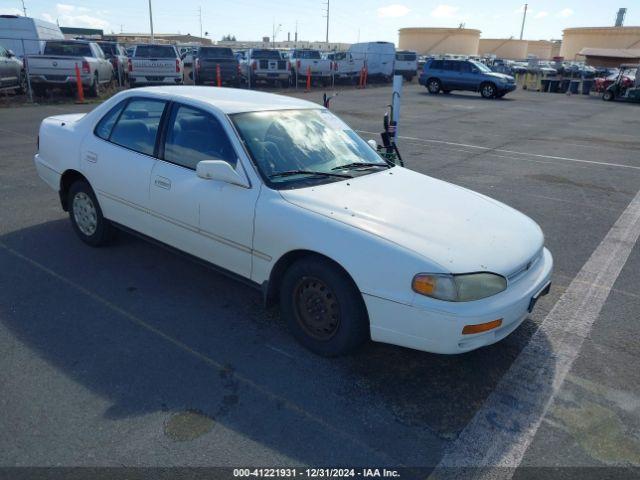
[(382, 228)]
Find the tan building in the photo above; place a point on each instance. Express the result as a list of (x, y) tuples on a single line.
[(175, 38), (542, 49), (575, 39), (284, 45), (458, 41), (508, 48), (609, 57)]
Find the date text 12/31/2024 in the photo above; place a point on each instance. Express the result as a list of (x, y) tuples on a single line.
[(316, 472)]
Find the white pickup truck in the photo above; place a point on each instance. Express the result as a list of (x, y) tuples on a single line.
[(307, 60), (266, 65), (406, 64), (345, 66), (155, 65), (57, 66)]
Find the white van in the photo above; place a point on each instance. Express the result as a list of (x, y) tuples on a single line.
[(34, 31), (379, 57), (406, 64)]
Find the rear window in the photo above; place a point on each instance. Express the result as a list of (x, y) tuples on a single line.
[(406, 57), (155, 51), (270, 54), (109, 48), (308, 54), (215, 53), (67, 49), (452, 65)]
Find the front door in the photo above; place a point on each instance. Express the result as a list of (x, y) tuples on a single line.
[(209, 219)]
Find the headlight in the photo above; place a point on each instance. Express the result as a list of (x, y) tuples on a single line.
[(458, 288)]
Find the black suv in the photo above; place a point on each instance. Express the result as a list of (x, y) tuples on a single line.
[(447, 75)]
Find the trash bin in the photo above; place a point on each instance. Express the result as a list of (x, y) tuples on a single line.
[(587, 85), (564, 86), (553, 85), (544, 85), (574, 87)]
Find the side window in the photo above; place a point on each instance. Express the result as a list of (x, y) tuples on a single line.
[(436, 65), (194, 135), (465, 67), (137, 127), (452, 65), (105, 125)]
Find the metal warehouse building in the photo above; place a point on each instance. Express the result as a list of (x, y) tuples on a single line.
[(459, 41)]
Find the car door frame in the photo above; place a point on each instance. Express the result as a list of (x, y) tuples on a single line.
[(199, 237)]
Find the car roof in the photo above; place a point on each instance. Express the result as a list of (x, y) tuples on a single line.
[(230, 100)]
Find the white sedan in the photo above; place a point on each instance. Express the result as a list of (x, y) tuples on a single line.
[(282, 193)]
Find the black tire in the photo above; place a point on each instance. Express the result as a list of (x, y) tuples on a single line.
[(313, 286), (488, 90), (608, 96), (94, 88), (103, 233), (434, 86)]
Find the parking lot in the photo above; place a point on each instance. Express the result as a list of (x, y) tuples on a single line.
[(133, 356)]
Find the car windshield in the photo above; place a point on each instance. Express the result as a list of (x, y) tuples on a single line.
[(215, 53), (68, 49), (155, 51), (270, 54), (304, 141), (308, 54), (480, 66)]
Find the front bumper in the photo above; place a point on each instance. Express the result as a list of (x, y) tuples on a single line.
[(439, 330)]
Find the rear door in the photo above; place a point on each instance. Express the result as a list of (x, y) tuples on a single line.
[(451, 75), (118, 158), (209, 219)]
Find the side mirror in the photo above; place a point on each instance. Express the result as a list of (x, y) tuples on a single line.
[(10, 53), (221, 171)]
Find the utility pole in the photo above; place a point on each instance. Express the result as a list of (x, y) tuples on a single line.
[(200, 13), (151, 20), (295, 37), (24, 9), (327, 39), (524, 18)]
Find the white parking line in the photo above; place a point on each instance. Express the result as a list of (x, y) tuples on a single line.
[(512, 152), (499, 434)]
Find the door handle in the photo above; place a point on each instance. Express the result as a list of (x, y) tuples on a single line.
[(162, 182)]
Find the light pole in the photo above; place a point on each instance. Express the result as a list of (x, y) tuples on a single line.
[(151, 20), (524, 17)]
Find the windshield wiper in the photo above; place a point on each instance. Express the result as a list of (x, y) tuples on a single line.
[(359, 165), (289, 173)]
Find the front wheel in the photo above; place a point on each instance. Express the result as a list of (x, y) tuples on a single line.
[(488, 90), (323, 308), (608, 96), (434, 86), (86, 216)]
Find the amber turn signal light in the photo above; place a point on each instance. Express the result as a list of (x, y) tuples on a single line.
[(481, 327)]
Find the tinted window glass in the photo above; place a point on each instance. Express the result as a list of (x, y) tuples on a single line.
[(270, 54), (436, 64), (465, 67), (155, 51), (452, 65), (138, 125), (109, 49), (68, 49), (215, 53), (104, 127), (307, 54), (194, 136)]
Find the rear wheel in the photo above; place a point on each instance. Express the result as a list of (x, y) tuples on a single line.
[(434, 86), (488, 90), (608, 96), (323, 308), (86, 215)]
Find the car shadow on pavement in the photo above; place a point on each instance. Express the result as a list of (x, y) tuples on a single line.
[(154, 332)]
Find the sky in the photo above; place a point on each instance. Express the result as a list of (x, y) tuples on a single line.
[(350, 20)]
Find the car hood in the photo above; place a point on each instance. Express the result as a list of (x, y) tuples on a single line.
[(459, 230), (501, 76)]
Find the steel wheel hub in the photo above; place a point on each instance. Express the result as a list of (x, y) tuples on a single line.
[(84, 214), (317, 309)]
